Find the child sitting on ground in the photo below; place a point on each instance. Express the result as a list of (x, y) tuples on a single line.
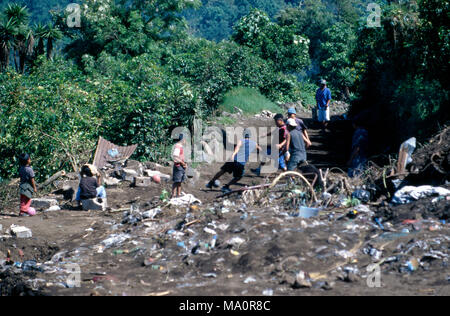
[(90, 185), (27, 186)]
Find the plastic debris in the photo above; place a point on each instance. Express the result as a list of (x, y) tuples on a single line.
[(410, 194), (21, 231), (186, 199)]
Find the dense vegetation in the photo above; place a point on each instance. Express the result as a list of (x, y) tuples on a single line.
[(130, 74), (133, 71)]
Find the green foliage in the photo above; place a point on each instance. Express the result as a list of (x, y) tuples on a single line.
[(338, 44), (288, 50), (216, 68), (405, 66), (49, 115), (40, 10), (215, 19), (134, 79), (132, 73), (124, 27), (311, 20), (420, 102), (249, 100)]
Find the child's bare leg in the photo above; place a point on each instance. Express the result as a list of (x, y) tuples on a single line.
[(174, 190)]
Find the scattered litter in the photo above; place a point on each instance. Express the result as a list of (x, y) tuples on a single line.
[(115, 240), (21, 231), (249, 280), (268, 292), (54, 208), (235, 242), (410, 194), (362, 195), (306, 212), (186, 199)]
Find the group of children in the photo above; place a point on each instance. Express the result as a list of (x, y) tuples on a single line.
[(292, 143), (90, 185)]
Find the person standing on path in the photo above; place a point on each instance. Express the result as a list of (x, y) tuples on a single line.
[(323, 99), (27, 186), (296, 146), (301, 127), (179, 166)]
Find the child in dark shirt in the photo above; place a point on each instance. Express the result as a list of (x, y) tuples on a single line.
[(27, 186), (90, 185)]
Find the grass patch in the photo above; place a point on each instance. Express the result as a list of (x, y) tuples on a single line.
[(226, 121), (249, 100)]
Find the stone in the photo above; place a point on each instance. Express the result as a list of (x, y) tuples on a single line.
[(136, 166), (191, 173), (302, 280), (129, 175), (110, 182), (94, 205), (142, 182), (21, 231), (43, 204)]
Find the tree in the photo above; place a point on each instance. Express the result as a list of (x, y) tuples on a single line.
[(311, 18), (24, 45), (52, 33), (338, 45), (23, 42), (435, 38), (124, 27), (8, 31), (287, 49), (404, 75), (215, 19), (39, 32)]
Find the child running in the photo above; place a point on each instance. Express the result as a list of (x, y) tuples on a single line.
[(236, 166), (27, 186)]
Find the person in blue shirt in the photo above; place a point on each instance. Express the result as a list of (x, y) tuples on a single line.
[(236, 166), (323, 99)]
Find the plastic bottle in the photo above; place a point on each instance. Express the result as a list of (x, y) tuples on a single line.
[(213, 242)]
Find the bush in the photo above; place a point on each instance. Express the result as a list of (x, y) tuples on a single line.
[(48, 115), (419, 102)]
